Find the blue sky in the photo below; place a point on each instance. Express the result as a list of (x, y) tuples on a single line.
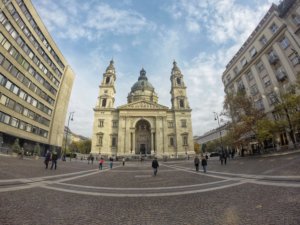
[(201, 35)]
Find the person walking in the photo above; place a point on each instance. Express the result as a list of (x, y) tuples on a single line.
[(111, 162), (54, 160), (92, 159), (204, 163), (101, 162), (196, 162), (47, 159), (123, 161), (22, 153), (155, 166)]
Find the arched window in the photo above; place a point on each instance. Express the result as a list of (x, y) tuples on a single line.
[(104, 102), (178, 81), (181, 103), (107, 80)]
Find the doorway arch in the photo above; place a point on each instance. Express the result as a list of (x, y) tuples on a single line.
[(143, 138)]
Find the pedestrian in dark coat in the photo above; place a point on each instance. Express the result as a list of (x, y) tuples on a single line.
[(196, 162), (155, 166), (47, 159), (54, 157), (111, 161), (204, 164)]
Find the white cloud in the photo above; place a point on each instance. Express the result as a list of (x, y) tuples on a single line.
[(223, 20), (117, 47), (90, 20)]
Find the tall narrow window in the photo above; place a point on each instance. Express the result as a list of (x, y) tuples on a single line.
[(178, 81), (184, 140), (100, 123), (181, 103), (171, 141), (104, 102), (107, 80)]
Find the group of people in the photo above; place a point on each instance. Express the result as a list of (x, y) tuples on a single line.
[(224, 154), (203, 162), (51, 156)]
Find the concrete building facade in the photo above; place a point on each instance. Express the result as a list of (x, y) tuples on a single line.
[(268, 62), (35, 79), (142, 126)]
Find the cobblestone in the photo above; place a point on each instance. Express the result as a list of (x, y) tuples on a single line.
[(243, 204)]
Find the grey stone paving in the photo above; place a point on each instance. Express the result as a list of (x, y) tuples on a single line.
[(196, 198)]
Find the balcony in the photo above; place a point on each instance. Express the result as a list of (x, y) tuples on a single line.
[(273, 59), (281, 76)]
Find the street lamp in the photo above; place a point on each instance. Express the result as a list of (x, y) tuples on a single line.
[(217, 118), (70, 118)]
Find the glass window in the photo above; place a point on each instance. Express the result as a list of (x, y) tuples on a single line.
[(10, 103), (236, 70), (253, 51), (114, 142), (8, 27), (284, 43), (28, 127), (181, 103), (8, 84), (13, 52), (263, 40), (5, 118), (183, 123), (14, 122), (22, 94), (253, 89), (22, 125), (185, 140), (6, 65), (249, 76), (2, 79), (170, 124), (18, 108), (25, 112), (100, 123), (1, 38), (6, 45), (34, 102), (296, 19), (26, 81), (3, 99), (28, 99), (260, 66), (273, 28), (15, 89), (243, 61), (171, 141), (266, 81), (1, 58)]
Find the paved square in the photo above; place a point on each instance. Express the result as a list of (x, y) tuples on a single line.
[(250, 190)]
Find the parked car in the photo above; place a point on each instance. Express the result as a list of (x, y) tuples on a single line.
[(214, 154)]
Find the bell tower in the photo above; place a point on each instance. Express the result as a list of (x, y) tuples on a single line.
[(178, 89), (107, 89)]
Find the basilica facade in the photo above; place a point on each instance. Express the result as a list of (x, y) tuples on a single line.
[(142, 126)]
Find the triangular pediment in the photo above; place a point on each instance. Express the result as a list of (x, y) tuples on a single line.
[(142, 104)]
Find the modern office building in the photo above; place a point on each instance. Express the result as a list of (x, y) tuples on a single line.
[(35, 79), (268, 62), (142, 126)]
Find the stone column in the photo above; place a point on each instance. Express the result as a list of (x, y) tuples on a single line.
[(152, 143)]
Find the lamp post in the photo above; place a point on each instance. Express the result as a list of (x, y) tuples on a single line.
[(70, 118), (217, 118)]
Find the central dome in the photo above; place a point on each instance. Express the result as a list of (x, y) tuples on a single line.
[(142, 83), (142, 89)]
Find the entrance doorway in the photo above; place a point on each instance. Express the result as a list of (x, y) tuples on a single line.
[(143, 138)]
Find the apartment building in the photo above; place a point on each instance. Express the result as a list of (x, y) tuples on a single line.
[(35, 79), (269, 60)]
